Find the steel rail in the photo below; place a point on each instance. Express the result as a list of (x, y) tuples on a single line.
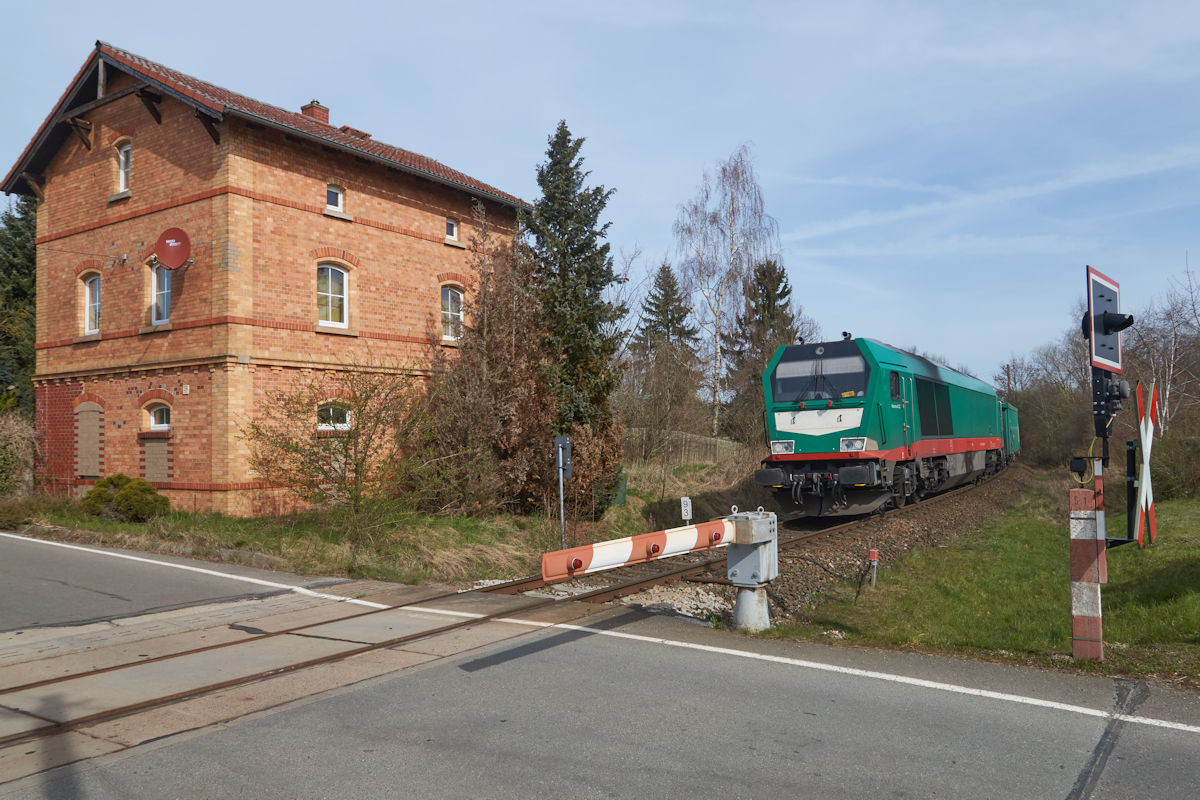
[(604, 594), (133, 708), (221, 645)]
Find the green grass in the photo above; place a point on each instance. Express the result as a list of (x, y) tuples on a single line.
[(387, 542), (384, 542), (1003, 592)]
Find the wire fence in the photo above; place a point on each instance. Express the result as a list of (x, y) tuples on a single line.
[(677, 447)]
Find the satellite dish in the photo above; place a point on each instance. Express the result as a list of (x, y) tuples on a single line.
[(173, 248)]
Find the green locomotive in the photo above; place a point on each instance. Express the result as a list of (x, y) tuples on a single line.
[(856, 426)]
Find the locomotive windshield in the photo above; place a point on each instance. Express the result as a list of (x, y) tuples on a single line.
[(819, 372)]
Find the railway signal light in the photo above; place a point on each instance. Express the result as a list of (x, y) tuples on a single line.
[(1102, 326), (1104, 321)]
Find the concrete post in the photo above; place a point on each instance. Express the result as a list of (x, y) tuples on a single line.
[(750, 610)]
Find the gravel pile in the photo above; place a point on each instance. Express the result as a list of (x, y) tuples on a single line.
[(803, 572)]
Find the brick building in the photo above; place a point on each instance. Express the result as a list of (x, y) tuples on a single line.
[(197, 248)]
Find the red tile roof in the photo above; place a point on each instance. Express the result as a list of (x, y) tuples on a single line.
[(218, 102)]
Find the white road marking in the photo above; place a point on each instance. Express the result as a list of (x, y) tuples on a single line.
[(202, 571), (726, 651), (880, 676)]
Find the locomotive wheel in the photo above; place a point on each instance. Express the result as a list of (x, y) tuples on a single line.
[(900, 490)]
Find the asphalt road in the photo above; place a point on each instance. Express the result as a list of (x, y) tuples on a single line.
[(656, 707), (42, 584)]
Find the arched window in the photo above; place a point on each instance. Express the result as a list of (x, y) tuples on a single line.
[(91, 303), (160, 417), (331, 296), (333, 416), (452, 313)]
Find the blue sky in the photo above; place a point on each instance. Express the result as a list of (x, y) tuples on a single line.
[(941, 172)]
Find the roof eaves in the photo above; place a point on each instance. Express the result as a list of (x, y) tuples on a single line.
[(474, 190), (194, 99)]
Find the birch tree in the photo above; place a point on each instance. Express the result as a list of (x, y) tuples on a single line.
[(1163, 348), (720, 233)]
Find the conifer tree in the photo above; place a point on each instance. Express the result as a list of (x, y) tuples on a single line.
[(662, 378), (768, 320), (665, 314), (573, 270), (18, 263)]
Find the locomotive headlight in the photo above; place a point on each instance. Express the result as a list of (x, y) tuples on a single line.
[(855, 445), (780, 447)]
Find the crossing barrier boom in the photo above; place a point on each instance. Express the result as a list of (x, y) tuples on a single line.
[(575, 561)]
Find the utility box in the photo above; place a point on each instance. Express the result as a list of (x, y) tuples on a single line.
[(753, 527), (752, 558)]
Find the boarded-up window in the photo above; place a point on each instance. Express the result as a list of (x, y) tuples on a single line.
[(157, 464), (89, 438)]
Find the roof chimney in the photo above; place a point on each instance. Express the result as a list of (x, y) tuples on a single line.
[(315, 110)]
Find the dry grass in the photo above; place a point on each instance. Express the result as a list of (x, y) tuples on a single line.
[(388, 544)]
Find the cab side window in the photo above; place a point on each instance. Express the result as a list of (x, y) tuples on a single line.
[(895, 383)]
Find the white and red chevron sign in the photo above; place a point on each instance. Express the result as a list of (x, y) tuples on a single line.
[(1146, 421)]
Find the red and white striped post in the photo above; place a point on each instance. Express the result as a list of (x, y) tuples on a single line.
[(1089, 569)]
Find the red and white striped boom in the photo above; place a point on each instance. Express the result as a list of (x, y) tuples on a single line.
[(563, 564)]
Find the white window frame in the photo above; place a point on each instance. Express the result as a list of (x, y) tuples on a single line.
[(161, 290), (341, 197), (333, 426), (91, 304), (452, 320), (344, 295), (124, 166), (451, 229), (155, 423)]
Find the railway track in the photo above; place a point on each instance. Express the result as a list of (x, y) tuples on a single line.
[(530, 591)]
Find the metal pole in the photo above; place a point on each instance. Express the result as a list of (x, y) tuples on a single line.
[(1131, 490), (562, 513), (1101, 523)]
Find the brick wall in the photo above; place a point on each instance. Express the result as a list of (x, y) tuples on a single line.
[(244, 314)]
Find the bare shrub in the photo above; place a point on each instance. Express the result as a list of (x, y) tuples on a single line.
[(18, 447), (332, 438), (482, 438)]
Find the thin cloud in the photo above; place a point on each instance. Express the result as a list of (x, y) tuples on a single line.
[(950, 245), (873, 183), (1184, 157)]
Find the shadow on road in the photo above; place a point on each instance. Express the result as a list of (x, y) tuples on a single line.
[(57, 755)]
